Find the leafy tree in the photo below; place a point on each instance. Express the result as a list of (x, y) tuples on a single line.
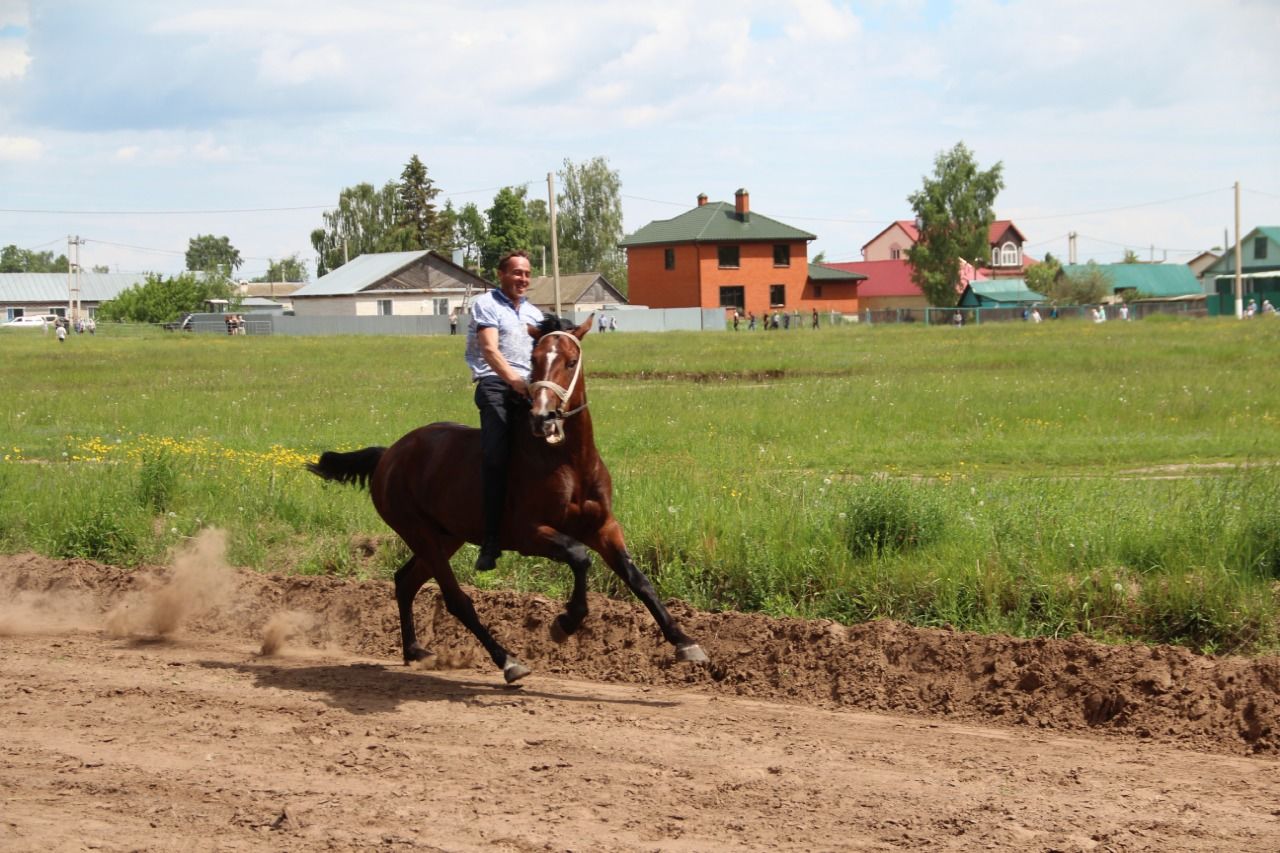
[(13, 259), (1042, 277), (208, 253), (820, 258), (101, 268), (539, 228), (471, 233), (160, 300), (365, 220), (954, 210), (1131, 257), (589, 220), (1083, 287), (286, 269), (508, 229)]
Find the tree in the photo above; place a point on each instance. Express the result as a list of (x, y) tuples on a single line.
[(1042, 277), (471, 234), (1131, 257), (13, 259), (954, 212), (418, 213), (159, 300), (208, 253), (286, 269), (365, 220), (589, 220), (1083, 287), (539, 229), (508, 229), (820, 258)]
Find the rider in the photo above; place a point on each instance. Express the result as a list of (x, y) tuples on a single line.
[(499, 348)]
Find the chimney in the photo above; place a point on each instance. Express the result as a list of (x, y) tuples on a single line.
[(702, 199), (742, 204)]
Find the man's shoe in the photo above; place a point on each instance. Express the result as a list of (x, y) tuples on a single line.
[(488, 559)]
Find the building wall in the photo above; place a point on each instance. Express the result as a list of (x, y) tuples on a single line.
[(841, 298), (881, 248), (366, 304), (650, 283)]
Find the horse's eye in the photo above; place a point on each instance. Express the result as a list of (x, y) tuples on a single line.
[(572, 364)]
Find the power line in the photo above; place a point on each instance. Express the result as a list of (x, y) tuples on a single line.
[(1261, 192), (1125, 207)]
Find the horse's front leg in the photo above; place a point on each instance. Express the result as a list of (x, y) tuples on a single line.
[(553, 544), (613, 549), (409, 579)]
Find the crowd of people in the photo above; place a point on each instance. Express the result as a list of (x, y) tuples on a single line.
[(776, 319)]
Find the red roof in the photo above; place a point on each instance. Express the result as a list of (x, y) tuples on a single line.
[(997, 229), (907, 225), (884, 278)]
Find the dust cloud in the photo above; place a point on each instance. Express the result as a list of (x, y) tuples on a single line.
[(284, 628), (200, 581), (27, 612)]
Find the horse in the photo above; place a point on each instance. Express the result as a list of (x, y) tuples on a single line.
[(427, 488)]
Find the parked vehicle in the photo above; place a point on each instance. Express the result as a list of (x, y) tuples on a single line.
[(185, 324), (33, 321)]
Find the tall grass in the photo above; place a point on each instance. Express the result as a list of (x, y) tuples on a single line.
[(1115, 480)]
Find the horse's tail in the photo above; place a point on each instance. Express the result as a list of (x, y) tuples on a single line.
[(354, 467)]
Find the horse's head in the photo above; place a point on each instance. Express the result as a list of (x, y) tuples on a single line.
[(555, 383)]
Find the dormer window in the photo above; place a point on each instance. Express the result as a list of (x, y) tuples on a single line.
[(1010, 255)]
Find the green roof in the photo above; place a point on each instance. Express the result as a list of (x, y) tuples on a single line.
[(1147, 279), (1226, 265), (999, 291), (820, 272), (715, 221)]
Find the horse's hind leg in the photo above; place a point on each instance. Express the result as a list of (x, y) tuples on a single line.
[(409, 579), (459, 604), (613, 549)]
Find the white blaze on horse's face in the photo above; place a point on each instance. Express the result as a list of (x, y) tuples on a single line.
[(548, 396)]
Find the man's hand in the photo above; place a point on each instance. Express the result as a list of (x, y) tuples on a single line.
[(519, 385)]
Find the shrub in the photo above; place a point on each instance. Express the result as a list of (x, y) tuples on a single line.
[(890, 516)]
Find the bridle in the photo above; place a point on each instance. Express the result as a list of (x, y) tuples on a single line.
[(555, 420)]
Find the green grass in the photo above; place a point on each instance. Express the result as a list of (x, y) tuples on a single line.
[(1116, 480)]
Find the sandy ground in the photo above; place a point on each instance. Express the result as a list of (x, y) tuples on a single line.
[(195, 707)]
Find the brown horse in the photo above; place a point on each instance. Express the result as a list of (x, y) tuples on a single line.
[(426, 486)]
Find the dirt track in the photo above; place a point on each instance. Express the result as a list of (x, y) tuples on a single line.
[(139, 713)]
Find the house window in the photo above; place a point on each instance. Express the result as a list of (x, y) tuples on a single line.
[(817, 291), (895, 254), (669, 259), (777, 295), (440, 306), (1010, 255), (384, 307), (12, 314), (733, 296), (728, 256), (781, 255), (1259, 248)]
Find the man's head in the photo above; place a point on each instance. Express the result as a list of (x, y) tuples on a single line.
[(513, 274)]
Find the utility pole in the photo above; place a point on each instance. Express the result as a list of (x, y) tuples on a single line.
[(1239, 290), (1071, 247), (555, 243), (73, 276)]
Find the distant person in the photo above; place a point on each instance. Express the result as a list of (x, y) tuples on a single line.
[(815, 318), (613, 324), (602, 325), (453, 322), (737, 318), (92, 325), (1124, 311), (61, 332), (957, 319), (751, 321), (1252, 309), (1267, 307), (786, 320)]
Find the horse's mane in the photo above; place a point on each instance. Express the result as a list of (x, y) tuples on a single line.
[(552, 323)]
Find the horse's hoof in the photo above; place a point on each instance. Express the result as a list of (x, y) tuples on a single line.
[(558, 633), (691, 653), (415, 653), (514, 671)]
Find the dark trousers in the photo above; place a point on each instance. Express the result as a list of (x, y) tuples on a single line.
[(501, 409)]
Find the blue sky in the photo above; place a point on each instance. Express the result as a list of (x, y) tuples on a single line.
[(138, 125)]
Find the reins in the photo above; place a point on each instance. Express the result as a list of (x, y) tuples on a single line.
[(562, 393)]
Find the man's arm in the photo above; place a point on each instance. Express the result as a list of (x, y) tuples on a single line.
[(487, 337)]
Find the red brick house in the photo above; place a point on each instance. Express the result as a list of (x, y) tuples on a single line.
[(1004, 244), (725, 255)]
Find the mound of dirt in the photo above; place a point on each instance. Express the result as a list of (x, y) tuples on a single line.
[(1164, 694)]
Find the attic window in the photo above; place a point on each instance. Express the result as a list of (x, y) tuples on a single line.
[(1010, 256), (728, 256), (1259, 248)]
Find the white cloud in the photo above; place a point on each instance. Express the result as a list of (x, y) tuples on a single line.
[(20, 148), (14, 59), (822, 20), (128, 152)]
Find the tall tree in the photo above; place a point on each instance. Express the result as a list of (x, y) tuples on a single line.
[(13, 259), (1043, 277), (418, 213), (589, 219), (954, 210), (365, 220), (286, 269), (539, 230), (471, 234), (508, 228), (208, 253)]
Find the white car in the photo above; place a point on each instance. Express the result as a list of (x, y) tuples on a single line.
[(38, 321)]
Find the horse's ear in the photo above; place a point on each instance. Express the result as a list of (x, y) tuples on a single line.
[(582, 330), (534, 331)]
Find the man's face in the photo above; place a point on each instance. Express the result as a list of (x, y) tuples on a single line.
[(515, 278)]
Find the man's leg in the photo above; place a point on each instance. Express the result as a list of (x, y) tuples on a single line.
[(495, 450)]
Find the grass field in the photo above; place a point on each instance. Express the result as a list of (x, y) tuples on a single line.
[(1118, 480)]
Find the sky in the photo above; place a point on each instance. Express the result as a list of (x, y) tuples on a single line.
[(139, 125)]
